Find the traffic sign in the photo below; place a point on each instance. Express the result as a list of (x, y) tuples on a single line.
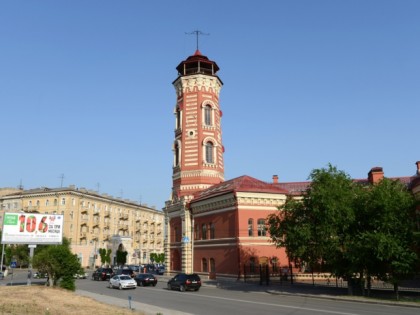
[(13, 264)]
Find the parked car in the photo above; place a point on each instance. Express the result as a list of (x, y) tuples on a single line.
[(1, 275), (125, 271), (82, 275), (144, 279), (183, 282), (102, 274), (160, 270), (122, 282), (39, 275)]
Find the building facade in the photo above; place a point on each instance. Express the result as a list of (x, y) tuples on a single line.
[(93, 221), (217, 227)]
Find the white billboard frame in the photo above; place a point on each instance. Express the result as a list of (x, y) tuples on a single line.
[(32, 228)]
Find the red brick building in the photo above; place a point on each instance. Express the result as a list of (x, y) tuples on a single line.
[(215, 227)]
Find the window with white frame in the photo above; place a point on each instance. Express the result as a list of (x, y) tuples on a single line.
[(208, 115), (262, 229)]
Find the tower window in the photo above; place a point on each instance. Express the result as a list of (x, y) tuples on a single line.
[(209, 152), (178, 118), (177, 152), (207, 115)]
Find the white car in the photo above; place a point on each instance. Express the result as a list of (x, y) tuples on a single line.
[(122, 282)]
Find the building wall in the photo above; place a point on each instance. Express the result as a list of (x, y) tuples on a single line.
[(92, 220)]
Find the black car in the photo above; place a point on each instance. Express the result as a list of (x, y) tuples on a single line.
[(125, 271), (183, 281), (102, 274), (144, 279)]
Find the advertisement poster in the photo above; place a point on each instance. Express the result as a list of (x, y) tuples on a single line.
[(32, 228)]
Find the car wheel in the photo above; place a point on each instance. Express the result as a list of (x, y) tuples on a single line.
[(154, 284), (110, 285), (120, 287), (197, 289), (169, 287), (141, 284), (182, 288)]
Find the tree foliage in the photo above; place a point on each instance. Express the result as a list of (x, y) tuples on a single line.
[(105, 255), (59, 263), (121, 257), (349, 229), (157, 258)]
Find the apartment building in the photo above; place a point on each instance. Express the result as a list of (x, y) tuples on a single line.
[(93, 221)]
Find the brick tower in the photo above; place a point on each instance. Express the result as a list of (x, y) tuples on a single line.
[(197, 153), (198, 149)]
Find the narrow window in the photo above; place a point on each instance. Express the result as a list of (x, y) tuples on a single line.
[(250, 227), (207, 115), (204, 231), (177, 148), (63, 201), (178, 118), (212, 265), (47, 202), (196, 232), (211, 231), (209, 153), (262, 229), (204, 263), (55, 202)]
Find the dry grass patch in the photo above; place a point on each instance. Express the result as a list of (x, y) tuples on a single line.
[(41, 300)]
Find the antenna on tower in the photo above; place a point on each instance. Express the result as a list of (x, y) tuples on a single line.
[(197, 33), (62, 179)]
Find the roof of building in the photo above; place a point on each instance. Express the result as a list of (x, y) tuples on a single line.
[(239, 184)]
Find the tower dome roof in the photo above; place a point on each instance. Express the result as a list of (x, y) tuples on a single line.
[(197, 64)]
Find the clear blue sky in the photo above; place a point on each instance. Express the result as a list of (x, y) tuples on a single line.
[(86, 89)]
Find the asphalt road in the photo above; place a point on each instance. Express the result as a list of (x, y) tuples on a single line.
[(233, 299)]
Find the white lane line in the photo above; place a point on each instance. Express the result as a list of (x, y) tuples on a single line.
[(284, 306)]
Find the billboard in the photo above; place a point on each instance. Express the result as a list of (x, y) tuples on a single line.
[(32, 228)]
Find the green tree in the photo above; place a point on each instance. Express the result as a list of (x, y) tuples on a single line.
[(59, 263), (105, 255), (385, 232), (350, 230), (121, 257)]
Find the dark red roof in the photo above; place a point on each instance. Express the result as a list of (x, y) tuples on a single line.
[(239, 184)]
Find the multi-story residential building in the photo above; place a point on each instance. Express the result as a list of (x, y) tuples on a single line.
[(93, 221)]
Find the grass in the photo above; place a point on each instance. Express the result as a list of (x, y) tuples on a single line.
[(41, 300)]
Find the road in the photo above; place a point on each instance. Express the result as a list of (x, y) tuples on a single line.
[(244, 299), (241, 299)]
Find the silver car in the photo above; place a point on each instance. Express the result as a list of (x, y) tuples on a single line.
[(122, 282)]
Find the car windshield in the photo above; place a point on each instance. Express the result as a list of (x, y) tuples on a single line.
[(125, 278)]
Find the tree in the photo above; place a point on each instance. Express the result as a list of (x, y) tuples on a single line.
[(105, 255), (157, 258), (59, 263), (386, 232), (353, 231), (121, 257)]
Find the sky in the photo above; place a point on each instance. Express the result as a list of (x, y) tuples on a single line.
[(86, 94)]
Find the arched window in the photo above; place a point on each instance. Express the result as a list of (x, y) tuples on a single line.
[(212, 265), (204, 266), (47, 202), (204, 231), (211, 231), (209, 152), (207, 115), (262, 229), (250, 227)]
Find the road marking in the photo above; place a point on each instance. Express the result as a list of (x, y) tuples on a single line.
[(280, 305)]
